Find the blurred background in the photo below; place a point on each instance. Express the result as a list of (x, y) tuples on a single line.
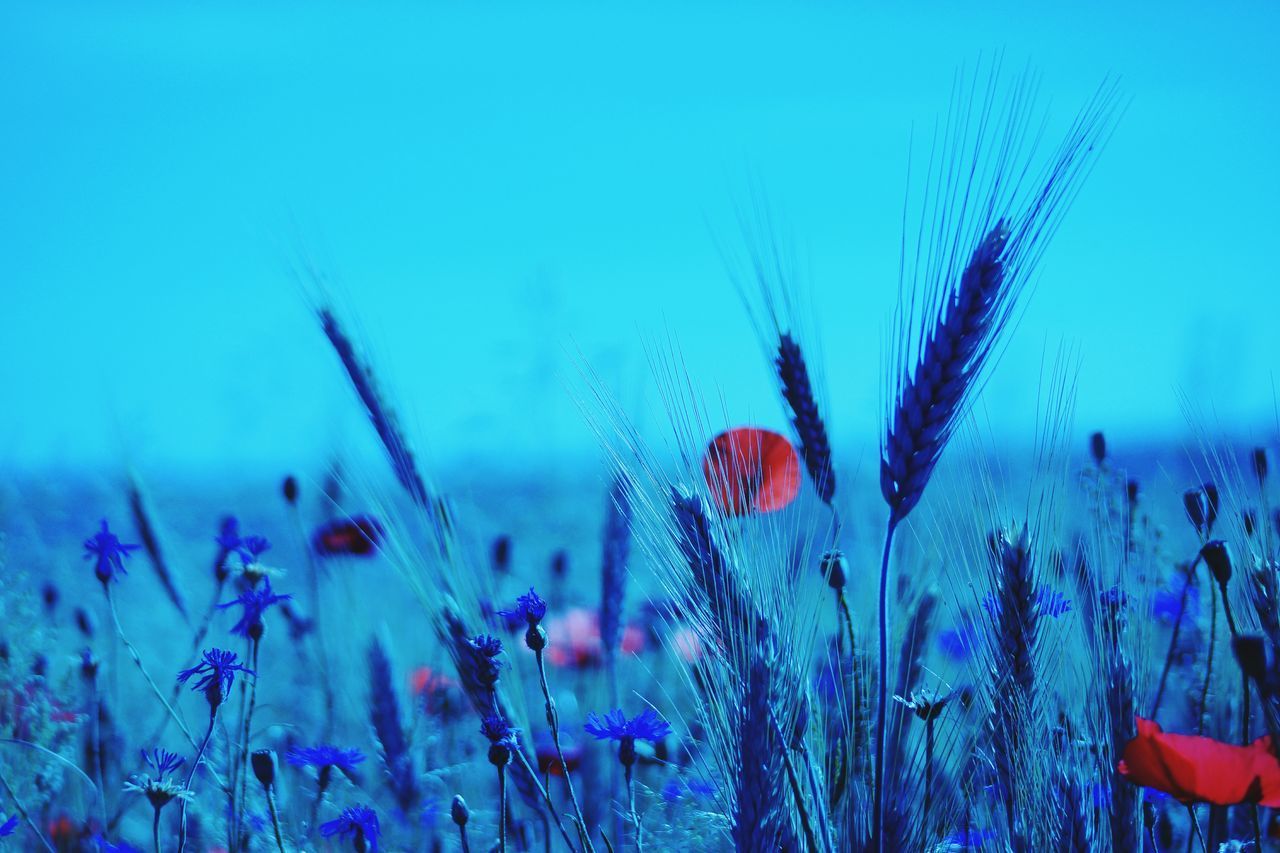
[(498, 192)]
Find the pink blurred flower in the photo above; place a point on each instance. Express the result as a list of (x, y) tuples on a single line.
[(574, 639)]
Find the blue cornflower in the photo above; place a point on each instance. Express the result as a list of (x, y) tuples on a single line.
[(487, 645), (509, 621), (486, 648), (255, 602), (502, 739), (253, 547), (359, 822), (615, 726), (325, 755), (529, 611), (158, 790), (217, 673), (531, 608), (8, 826), (647, 725), (496, 728), (1050, 602), (228, 537), (1114, 598), (109, 553), (162, 761)]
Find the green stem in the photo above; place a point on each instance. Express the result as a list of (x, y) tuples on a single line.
[(1195, 825), (182, 814), (1173, 638), (137, 660), (631, 805), (1208, 670), (553, 720), (794, 780), (519, 753), (877, 817), (201, 633), (502, 809), (313, 578), (255, 644), (275, 819), (928, 772), (322, 785)]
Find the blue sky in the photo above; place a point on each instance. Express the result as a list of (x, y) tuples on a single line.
[(494, 188)]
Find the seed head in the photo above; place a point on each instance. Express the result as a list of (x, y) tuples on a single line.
[(1217, 556), (1202, 507)]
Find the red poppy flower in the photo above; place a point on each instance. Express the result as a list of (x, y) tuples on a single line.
[(751, 470), (358, 537), (426, 681), (1202, 770), (549, 760)]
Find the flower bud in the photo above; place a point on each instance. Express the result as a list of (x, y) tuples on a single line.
[(1098, 447), (458, 811), (289, 488), (1217, 556), (535, 638), (264, 766), (1211, 495), (499, 754), (1251, 653), (501, 554), (834, 569), (84, 622), (1196, 504), (88, 664)]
